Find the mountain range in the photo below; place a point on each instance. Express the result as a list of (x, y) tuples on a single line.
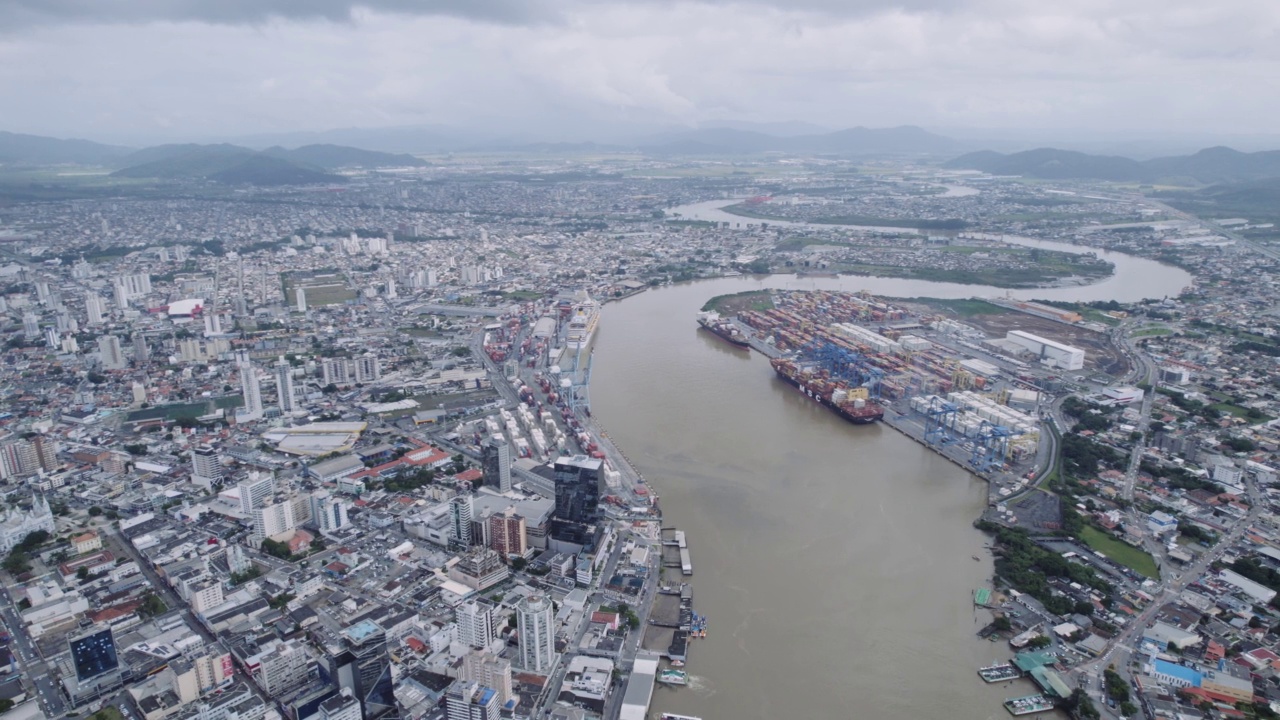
[(1206, 167)]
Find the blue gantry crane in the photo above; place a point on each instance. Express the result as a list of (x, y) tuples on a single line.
[(990, 446), (844, 364), (939, 422)]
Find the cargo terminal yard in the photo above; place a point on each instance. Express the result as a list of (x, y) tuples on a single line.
[(975, 400)]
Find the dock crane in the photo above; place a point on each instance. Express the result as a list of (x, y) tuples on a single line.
[(990, 446), (939, 422), (844, 364)]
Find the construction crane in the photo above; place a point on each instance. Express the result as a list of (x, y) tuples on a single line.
[(844, 364)]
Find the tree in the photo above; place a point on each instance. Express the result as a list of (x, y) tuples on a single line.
[(95, 511), (152, 605), (1038, 642), (82, 574), (518, 563)]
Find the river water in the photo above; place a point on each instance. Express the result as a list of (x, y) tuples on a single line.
[(834, 561)]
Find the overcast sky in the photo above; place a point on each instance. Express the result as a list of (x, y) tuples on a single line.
[(124, 69)]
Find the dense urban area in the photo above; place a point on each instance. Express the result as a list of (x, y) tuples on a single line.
[(327, 451)]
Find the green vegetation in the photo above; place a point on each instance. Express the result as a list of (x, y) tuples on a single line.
[(1150, 332), (277, 549), (1251, 568), (1025, 566), (1253, 415), (1117, 688), (107, 713), (19, 560), (1081, 457), (280, 600), (759, 300), (244, 577), (964, 308), (1131, 557), (152, 606), (1197, 534)]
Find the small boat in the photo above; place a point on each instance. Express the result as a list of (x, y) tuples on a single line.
[(975, 557), (677, 663), (673, 677)]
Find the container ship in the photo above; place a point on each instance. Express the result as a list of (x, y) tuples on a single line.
[(723, 329), (850, 403)]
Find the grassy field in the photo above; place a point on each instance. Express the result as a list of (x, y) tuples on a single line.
[(1240, 412), (740, 302), (1151, 332), (963, 308), (1123, 553)]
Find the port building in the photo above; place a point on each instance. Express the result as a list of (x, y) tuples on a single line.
[(1050, 352)]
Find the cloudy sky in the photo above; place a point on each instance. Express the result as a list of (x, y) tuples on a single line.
[(128, 69)]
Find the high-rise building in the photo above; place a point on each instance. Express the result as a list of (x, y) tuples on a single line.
[(471, 701), (284, 384), (368, 368), (93, 653), (329, 513), (336, 371), (496, 464), (284, 667), (250, 388), (475, 623), (364, 668), (507, 534), (94, 307), (111, 353), (255, 490), (43, 294), (30, 326), (534, 619), (274, 519), (141, 353), (133, 286), (460, 512), (206, 466), (343, 706), (489, 671), (577, 486)]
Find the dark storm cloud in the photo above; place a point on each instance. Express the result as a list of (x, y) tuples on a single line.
[(16, 14)]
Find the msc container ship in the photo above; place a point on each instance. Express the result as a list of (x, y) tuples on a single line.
[(850, 403), (723, 329)]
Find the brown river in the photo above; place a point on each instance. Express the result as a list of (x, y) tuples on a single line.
[(834, 562)]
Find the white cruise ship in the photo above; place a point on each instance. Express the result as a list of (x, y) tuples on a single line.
[(582, 322)]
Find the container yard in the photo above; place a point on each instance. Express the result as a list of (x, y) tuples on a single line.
[(926, 375)]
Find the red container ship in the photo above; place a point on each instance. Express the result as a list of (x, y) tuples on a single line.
[(849, 403)]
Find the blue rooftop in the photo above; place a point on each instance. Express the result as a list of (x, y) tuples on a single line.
[(1181, 672), (486, 694), (362, 630)]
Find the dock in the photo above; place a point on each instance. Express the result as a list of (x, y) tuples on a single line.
[(982, 597), (1027, 705), (999, 673), (680, 545)]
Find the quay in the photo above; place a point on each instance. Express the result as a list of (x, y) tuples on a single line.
[(1027, 705)]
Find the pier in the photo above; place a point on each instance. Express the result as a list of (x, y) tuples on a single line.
[(1028, 705)]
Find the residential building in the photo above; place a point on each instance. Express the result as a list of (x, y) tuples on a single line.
[(534, 620)]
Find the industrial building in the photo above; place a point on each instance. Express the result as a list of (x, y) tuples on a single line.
[(1050, 352)]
